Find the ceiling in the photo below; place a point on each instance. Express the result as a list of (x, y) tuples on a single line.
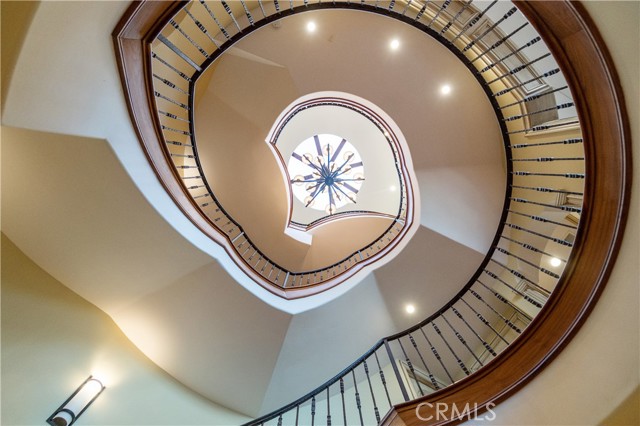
[(80, 199)]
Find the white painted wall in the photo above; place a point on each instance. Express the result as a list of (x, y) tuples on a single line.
[(52, 340)]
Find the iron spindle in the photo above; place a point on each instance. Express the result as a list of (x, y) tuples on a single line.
[(531, 248), (358, 405), (502, 299), (519, 68), (515, 290), (499, 42), (554, 239), (459, 361), (473, 21), (541, 269), (436, 354), (177, 26), (382, 379), (328, 408), (344, 410), (484, 320), (482, 341), (202, 28), (515, 52), (373, 397), (410, 365), (563, 142), (460, 338), (431, 377), (490, 29), (213, 16), (403, 390), (171, 67)]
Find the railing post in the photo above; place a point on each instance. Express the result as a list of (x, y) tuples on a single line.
[(405, 395)]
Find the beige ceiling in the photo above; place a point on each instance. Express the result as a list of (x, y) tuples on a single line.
[(79, 198)]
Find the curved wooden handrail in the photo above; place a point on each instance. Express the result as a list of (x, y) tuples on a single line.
[(583, 57), (587, 67)]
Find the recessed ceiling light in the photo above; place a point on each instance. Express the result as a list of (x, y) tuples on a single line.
[(311, 26), (410, 308), (554, 261), (392, 188), (445, 89), (395, 44)]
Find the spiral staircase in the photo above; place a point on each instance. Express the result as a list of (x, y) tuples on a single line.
[(564, 139)]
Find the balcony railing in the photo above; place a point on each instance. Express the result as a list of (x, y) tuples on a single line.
[(528, 282)]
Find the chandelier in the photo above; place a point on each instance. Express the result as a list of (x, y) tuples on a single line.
[(328, 172)]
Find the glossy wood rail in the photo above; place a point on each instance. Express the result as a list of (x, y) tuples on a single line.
[(585, 61)]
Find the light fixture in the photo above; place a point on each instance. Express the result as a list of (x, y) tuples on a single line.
[(311, 26), (77, 403), (445, 89), (410, 308), (328, 172), (555, 262), (395, 44)]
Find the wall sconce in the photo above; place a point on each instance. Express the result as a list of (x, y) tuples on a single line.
[(77, 403)]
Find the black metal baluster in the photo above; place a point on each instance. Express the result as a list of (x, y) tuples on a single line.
[(540, 218), (297, 414), (177, 26), (171, 67), (246, 12), (166, 98), (373, 397), (461, 339), (440, 10), (169, 84), (515, 290), (328, 408), (502, 299), (408, 361), (554, 239), (539, 268), (230, 13), (518, 68), (531, 248), (456, 17), (474, 21), (313, 410), (482, 341), (358, 405), (344, 409), (213, 16), (524, 83), (431, 377), (202, 28), (520, 275), (499, 42), (437, 355), (403, 390), (485, 321), (515, 52), (458, 360), (422, 10), (562, 142), (382, 379), (490, 29)]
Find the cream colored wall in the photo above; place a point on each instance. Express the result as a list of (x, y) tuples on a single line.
[(52, 339), (599, 368)]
